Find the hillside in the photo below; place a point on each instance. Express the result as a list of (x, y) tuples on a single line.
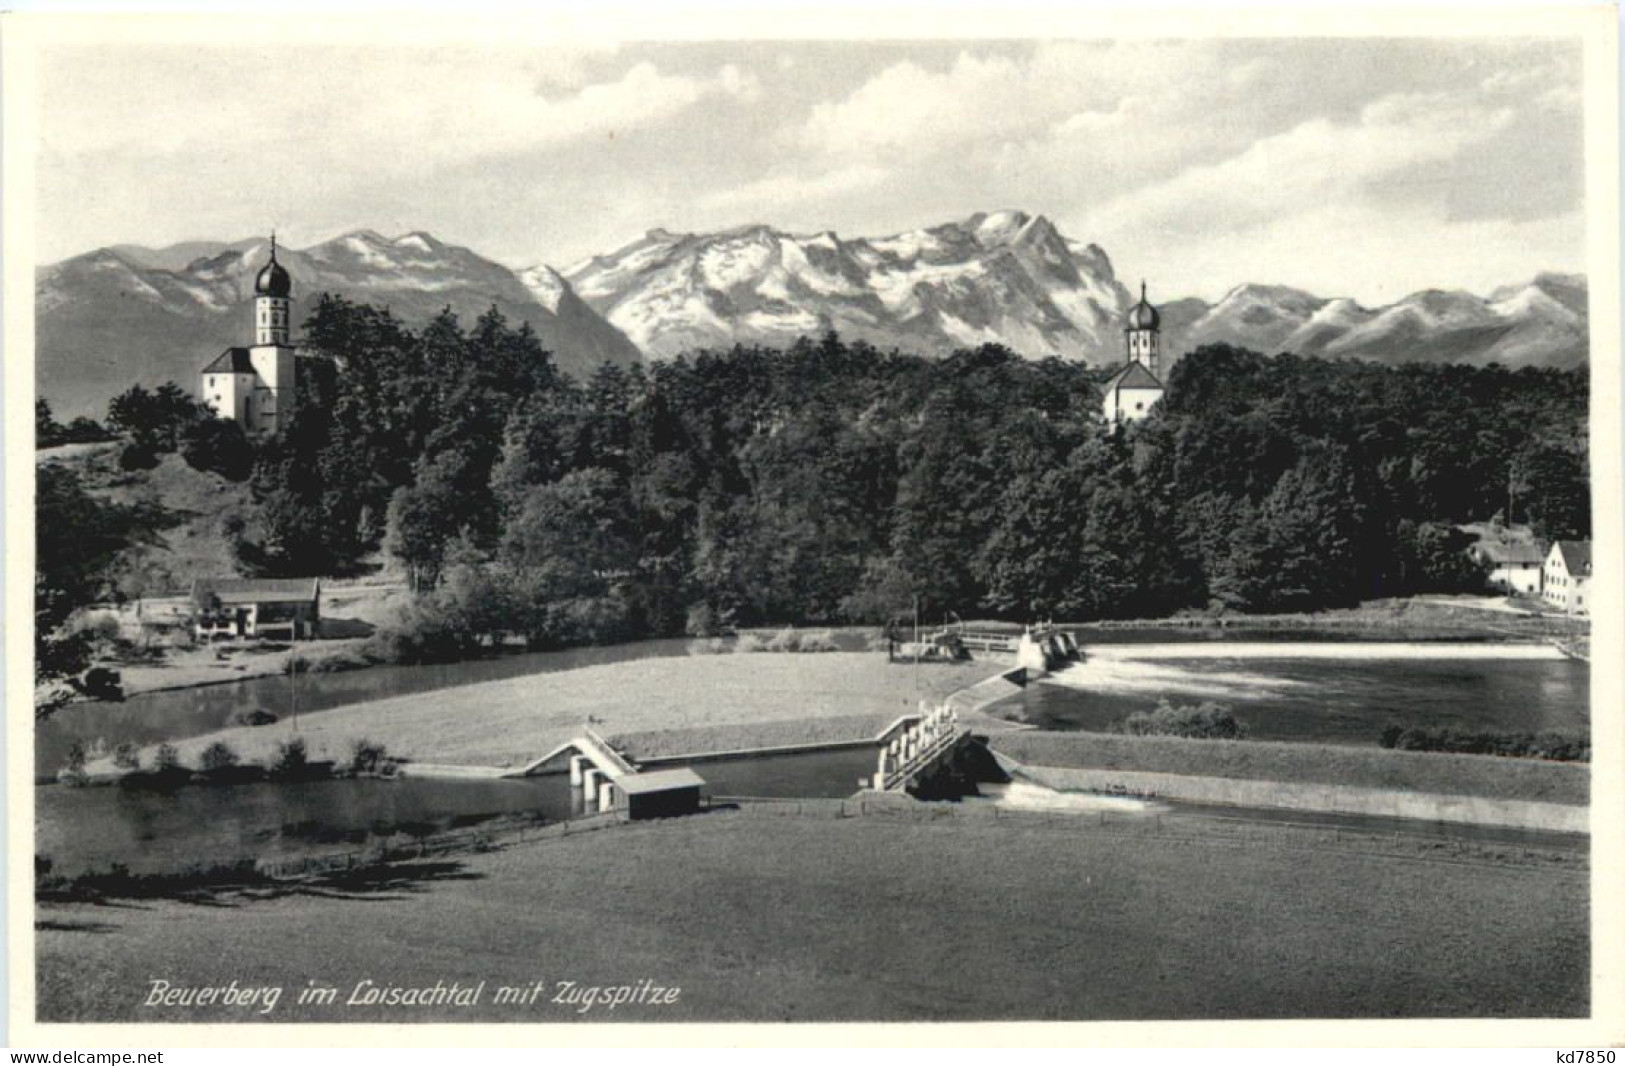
[(199, 502), (120, 316)]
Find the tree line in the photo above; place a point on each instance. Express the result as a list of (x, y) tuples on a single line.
[(830, 482)]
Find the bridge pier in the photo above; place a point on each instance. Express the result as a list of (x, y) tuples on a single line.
[(589, 782), (606, 796), (576, 763)]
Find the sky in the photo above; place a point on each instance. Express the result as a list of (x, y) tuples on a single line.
[(1368, 168)]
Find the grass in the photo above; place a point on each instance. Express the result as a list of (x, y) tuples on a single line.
[(507, 722), (1330, 764), (732, 737), (813, 919)]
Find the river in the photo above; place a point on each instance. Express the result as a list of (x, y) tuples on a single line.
[(1320, 700)]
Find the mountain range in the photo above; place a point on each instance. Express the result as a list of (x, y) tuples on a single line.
[(127, 314)]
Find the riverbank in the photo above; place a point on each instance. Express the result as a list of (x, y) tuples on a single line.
[(506, 723), (872, 919), (1490, 777), (1484, 776), (1421, 617)]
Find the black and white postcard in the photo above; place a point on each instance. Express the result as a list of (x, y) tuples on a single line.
[(1092, 518)]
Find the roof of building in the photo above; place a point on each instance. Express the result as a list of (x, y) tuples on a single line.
[(1142, 315), (1509, 552), (659, 781), (1494, 530), (1132, 376), (231, 361), (273, 280), (256, 589), (1576, 555)]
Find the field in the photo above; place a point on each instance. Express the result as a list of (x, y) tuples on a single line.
[(1328, 764), (506, 723), (814, 918)]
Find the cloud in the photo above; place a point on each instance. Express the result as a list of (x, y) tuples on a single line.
[(368, 109), (775, 197), (909, 109), (1314, 163)]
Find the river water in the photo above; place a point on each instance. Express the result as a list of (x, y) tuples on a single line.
[(1321, 700)]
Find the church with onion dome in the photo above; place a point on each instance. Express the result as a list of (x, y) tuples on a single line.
[(1132, 391), (258, 385)]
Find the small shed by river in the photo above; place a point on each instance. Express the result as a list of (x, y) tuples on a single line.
[(661, 793)]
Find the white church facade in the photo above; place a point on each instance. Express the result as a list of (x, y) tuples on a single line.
[(257, 386), (1130, 393)]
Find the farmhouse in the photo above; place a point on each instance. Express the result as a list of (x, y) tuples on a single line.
[(1511, 565), (1567, 580), (253, 608), (1130, 393)]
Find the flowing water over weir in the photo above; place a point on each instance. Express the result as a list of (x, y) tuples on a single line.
[(1322, 692)]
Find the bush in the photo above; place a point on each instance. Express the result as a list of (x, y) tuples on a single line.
[(218, 446), (368, 757), (1208, 721), (703, 621), (748, 642), (819, 640), (218, 756), (167, 757), (707, 646), (137, 457), (103, 684), (126, 756), (1554, 746), (291, 758)]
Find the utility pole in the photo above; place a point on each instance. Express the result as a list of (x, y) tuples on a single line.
[(293, 685), (916, 646)]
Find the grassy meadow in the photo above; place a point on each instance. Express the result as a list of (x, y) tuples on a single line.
[(872, 919)]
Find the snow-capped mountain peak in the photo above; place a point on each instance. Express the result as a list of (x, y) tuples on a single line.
[(1005, 276)]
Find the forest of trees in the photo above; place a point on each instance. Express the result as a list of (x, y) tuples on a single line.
[(832, 482)]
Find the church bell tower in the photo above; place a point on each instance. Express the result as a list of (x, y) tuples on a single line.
[(272, 291), (1144, 335)]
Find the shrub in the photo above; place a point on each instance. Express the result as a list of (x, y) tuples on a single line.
[(707, 646), (218, 756), (1554, 746), (369, 757), (786, 639), (819, 640), (73, 766), (1208, 721), (103, 684), (703, 621), (167, 757), (137, 457), (125, 756), (748, 642), (291, 758), (218, 446)]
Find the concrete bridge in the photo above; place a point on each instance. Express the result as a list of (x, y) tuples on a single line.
[(913, 746), (595, 767)]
